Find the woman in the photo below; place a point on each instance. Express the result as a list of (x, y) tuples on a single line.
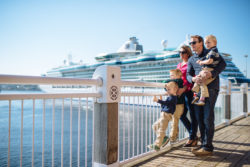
[(185, 53)]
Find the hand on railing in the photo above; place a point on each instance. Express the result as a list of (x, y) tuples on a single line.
[(155, 99)]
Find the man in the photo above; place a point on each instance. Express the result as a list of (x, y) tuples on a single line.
[(204, 114)]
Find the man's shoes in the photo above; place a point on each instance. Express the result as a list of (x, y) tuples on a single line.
[(165, 141), (196, 148), (153, 147), (200, 103), (202, 152), (195, 99)]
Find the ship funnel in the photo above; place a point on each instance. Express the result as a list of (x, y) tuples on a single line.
[(164, 43), (69, 59)]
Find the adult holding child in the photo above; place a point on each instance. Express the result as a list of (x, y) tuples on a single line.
[(190, 125), (204, 114)]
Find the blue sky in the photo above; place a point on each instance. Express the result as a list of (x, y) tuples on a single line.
[(38, 35)]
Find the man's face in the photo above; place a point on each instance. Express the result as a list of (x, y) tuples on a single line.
[(195, 44)]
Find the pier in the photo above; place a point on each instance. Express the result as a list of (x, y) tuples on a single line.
[(232, 148), (110, 124)]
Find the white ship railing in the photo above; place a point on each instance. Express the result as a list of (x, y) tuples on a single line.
[(136, 111)]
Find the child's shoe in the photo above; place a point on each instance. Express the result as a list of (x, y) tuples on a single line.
[(200, 103), (153, 147), (165, 141), (195, 99), (174, 141)]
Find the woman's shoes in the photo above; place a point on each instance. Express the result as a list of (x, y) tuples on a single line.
[(191, 143)]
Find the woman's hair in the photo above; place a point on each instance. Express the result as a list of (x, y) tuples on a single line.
[(187, 49)]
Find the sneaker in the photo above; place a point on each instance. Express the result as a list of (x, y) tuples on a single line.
[(195, 99), (165, 141), (200, 103), (202, 152), (153, 147)]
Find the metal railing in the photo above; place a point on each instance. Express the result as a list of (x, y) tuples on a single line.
[(64, 115), (38, 106)]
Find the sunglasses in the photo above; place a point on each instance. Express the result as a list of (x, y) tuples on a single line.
[(182, 52), (192, 43)]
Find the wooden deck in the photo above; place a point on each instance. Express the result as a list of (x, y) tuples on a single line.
[(232, 148)]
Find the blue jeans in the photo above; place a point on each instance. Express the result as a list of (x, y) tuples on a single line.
[(193, 125), (205, 117)]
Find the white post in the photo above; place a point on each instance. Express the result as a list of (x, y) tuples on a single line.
[(106, 117), (244, 88), (226, 89)]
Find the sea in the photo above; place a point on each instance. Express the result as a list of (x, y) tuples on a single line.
[(28, 127)]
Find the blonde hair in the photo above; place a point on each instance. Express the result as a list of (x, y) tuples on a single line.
[(176, 72), (212, 37), (172, 85), (187, 49)]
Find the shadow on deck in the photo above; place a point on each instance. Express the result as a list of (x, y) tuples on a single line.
[(232, 148)]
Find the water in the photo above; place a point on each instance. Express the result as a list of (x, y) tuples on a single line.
[(27, 132)]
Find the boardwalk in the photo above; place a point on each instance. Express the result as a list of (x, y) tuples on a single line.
[(232, 148)]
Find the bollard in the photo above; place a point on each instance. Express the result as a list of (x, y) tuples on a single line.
[(227, 102), (244, 88), (106, 117)]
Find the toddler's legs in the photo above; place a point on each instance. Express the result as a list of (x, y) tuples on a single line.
[(175, 124), (160, 127)]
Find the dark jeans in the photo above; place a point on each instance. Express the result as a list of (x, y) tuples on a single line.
[(205, 117), (193, 125)]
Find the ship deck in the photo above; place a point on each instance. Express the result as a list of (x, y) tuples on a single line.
[(232, 148)]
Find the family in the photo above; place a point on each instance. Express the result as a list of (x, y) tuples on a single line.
[(193, 87)]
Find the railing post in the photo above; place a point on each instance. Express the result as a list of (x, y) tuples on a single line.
[(227, 102), (106, 117), (244, 88)]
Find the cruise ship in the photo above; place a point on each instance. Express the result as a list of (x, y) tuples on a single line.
[(152, 66)]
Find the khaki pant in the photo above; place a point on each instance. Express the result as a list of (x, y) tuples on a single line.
[(160, 126), (175, 121), (203, 87)]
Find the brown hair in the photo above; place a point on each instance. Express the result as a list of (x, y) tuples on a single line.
[(188, 50), (200, 39), (176, 72)]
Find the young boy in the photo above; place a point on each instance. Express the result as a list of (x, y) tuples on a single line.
[(208, 64), (167, 110), (175, 75)]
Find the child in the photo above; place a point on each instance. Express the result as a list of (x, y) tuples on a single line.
[(208, 64), (167, 110), (175, 75)]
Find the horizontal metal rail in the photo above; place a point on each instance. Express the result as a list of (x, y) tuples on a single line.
[(142, 84), (47, 96), (142, 94), (37, 80)]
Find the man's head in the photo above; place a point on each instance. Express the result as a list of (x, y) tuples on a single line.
[(171, 88), (196, 43), (175, 74), (210, 41)]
